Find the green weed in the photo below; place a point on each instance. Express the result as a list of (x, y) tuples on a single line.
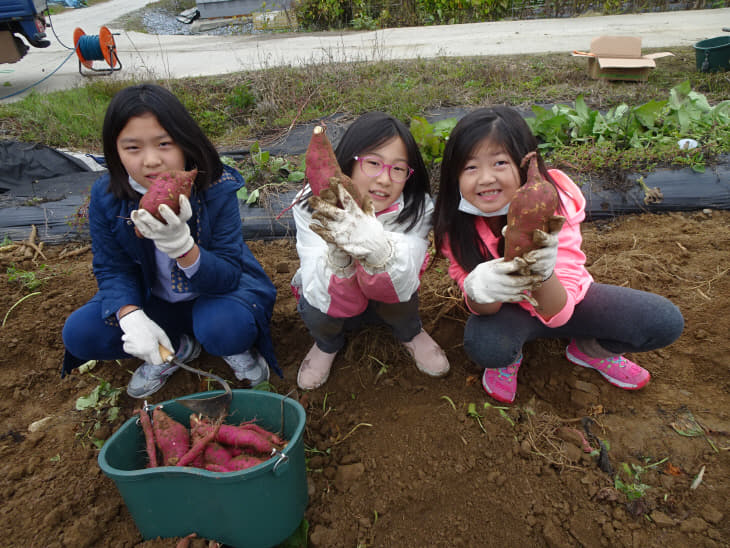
[(631, 485), (27, 278), (102, 401)]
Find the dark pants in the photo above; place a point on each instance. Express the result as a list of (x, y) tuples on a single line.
[(329, 332), (222, 326), (621, 320)]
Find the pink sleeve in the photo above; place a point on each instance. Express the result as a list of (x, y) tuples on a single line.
[(570, 266)]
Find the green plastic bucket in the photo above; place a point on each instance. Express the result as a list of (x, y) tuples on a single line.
[(258, 507), (713, 54)]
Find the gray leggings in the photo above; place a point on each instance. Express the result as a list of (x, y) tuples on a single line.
[(621, 319), (329, 332)]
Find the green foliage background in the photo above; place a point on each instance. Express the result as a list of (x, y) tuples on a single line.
[(372, 14)]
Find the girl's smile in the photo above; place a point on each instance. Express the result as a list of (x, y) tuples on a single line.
[(489, 178)]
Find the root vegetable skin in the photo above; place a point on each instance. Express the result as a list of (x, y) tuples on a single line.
[(242, 462), (172, 438), (322, 167), (530, 209), (211, 445), (321, 162), (216, 454), (273, 438), (149, 438), (166, 189)]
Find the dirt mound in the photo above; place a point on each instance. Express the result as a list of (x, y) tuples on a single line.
[(398, 459)]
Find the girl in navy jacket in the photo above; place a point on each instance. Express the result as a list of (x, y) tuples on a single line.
[(189, 281)]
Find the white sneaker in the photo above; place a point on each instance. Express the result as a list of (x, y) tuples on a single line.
[(315, 368), (249, 365), (429, 357)]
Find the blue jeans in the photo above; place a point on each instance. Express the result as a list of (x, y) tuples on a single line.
[(621, 320), (222, 326), (329, 332)]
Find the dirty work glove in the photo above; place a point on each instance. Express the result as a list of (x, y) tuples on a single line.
[(337, 258), (355, 231), (541, 261), (142, 337), (499, 281), (172, 238)]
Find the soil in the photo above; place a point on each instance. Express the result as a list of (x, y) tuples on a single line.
[(394, 458)]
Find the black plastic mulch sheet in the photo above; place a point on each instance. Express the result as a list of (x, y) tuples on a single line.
[(678, 190), (33, 192)]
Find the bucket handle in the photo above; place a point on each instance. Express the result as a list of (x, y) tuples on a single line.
[(282, 463)]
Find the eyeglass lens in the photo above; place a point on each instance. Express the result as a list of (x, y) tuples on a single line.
[(373, 166)]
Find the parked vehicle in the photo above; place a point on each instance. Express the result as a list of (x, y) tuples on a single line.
[(22, 26)]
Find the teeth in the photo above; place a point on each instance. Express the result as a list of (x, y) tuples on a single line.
[(380, 194)]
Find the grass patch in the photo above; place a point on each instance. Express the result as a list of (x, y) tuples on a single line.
[(240, 109)]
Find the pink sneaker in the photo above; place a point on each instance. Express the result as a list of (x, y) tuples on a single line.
[(501, 383), (315, 368), (618, 370)]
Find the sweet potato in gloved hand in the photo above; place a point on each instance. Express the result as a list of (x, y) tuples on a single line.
[(355, 231), (542, 260), (172, 236), (337, 258)]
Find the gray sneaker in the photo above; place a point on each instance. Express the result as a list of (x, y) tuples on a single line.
[(249, 365), (149, 378)]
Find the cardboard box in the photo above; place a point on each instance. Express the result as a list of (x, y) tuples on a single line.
[(619, 58)]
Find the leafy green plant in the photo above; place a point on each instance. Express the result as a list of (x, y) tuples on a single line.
[(431, 138), (27, 278), (631, 485), (685, 113), (262, 170), (102, 401)]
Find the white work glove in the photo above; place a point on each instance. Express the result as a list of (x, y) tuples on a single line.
[(142, 337), (542, 261), (355, 231), (172, 238), (499, 281)]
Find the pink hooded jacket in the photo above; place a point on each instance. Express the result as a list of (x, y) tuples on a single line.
[(570, 267)]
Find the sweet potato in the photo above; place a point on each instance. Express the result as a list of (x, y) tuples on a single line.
[(215, 453), (322, 168), (531, 208), (166, 189), (149, 438), (171, 437), (273, 438), (241, 462)]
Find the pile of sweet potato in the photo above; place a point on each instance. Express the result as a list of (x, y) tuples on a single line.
[(210, 445)]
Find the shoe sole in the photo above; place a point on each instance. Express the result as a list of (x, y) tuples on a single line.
[(612, 380)]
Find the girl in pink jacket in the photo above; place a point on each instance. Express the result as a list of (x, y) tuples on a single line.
[(480, 174), (362, 265)]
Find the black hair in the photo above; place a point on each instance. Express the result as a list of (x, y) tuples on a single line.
[(174, 118), (370, 131), (503, 126)]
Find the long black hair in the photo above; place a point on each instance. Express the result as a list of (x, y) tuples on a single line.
[(174, 118), (503, 126), (369, 132)]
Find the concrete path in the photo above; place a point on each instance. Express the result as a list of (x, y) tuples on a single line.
[(164, 56)]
